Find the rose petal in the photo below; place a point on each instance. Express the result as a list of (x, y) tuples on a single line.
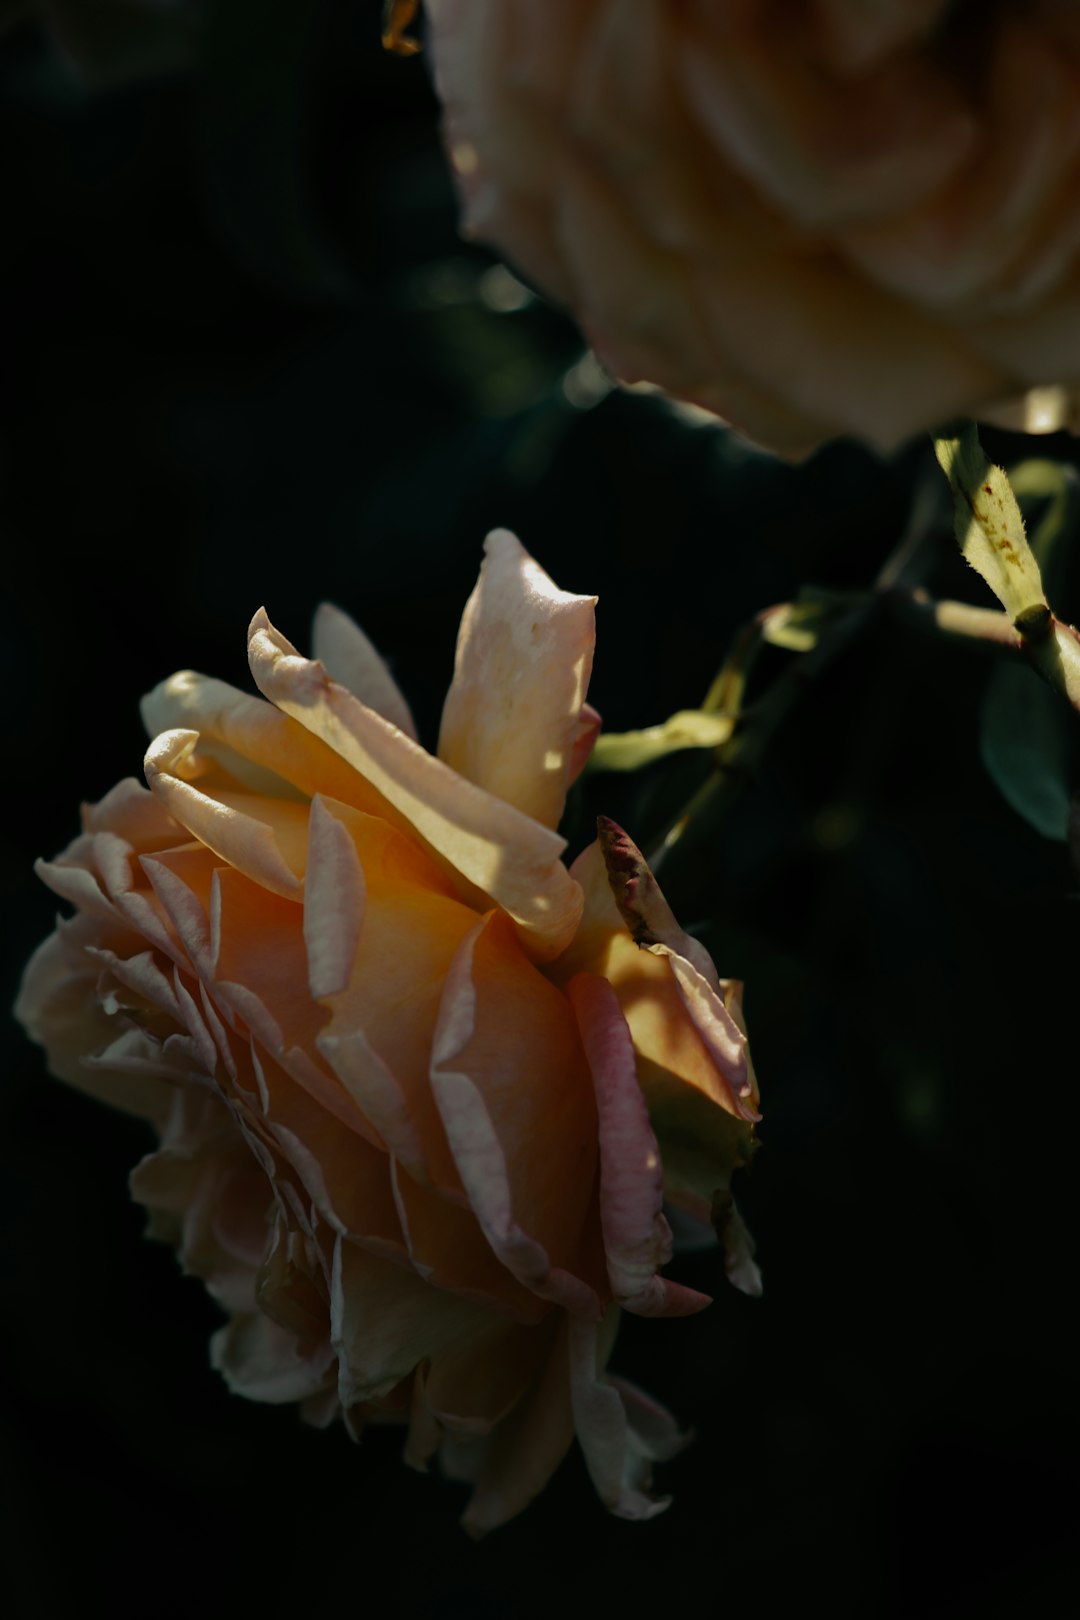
[(346, 1178), (474, 1387), (513, 1092), (825, 151), (350, 659), (703, 1132), (255, 742), (641, 902), (588, 730), (493, 847), (334, 896), (263, 838), (131, 812), (637, 1238), (524, 655), (260, 980), (602, 1428), (385, 1321), (378, 1038), (653, 1431), (448, 1248), (523, 1452), (59, 1008), (652, 926), (182, 882), (261, 1361)]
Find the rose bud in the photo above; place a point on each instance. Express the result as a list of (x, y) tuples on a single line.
[(420, 1091), (811, 220)]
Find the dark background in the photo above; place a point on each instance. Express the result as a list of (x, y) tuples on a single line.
[(246, 359)]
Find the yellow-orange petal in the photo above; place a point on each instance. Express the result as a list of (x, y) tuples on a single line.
[(447, 1246), (512, 1466), (512, 716), (382, 1018), (263, 838), (494, 849), (515, 1097)]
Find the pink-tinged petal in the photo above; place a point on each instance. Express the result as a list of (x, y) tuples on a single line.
[(349, 658), (131, 811), (703, 1138), (333, 902), (206, 1196), (652, 926), (221, 1037), (517, 1461), (647, 915), (513, 1091), (193, 1019), (255, 835), (448, 1248), (719, 1033), (611, 1455), (79, 886), (588, 729), (637, 1238), (122, 878), (134, 1051), (137, 985), (58, 1006), (495, 850), (386, 1320), (524, 656), (261, 1361), (142, 977), (182, 882)]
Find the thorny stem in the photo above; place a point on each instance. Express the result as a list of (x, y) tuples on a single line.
[(741, 755), (954, 620), (894, 594)]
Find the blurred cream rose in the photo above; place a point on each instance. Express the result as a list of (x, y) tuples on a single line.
[(812, 219), (419, 1089)]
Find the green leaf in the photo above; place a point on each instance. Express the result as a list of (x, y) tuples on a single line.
[(989, 527), (689, 728), (1025, 743)]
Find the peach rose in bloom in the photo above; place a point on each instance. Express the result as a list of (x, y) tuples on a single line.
[(419, 1089), (812, 219)]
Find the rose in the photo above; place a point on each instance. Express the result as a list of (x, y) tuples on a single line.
[(820, 219), (397, 1055)]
